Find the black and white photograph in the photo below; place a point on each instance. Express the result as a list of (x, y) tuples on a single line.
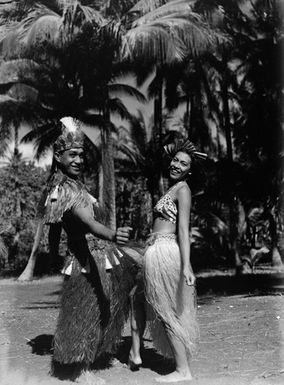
[(141, 192)]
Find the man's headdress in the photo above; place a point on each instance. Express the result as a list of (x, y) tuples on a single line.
[(184, 146), (71, 136)]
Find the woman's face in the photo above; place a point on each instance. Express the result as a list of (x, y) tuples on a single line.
[(71, 161), (180, 166)]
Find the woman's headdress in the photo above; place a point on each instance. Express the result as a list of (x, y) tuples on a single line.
[(184, 146), (71, 135)]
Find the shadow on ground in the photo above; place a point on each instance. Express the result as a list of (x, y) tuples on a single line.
[(213, 286), (258, 284), (42, 344), (151, 359)]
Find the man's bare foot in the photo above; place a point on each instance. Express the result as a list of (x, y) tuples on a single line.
[(90, 378), (175, 377)]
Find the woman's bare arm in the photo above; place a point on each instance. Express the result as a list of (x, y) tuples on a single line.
[(184, 207)]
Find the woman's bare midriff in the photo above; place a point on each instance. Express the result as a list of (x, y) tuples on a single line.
[(163, 226)]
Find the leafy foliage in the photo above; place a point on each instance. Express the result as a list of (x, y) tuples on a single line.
[(20, 182), (63, 57), (134, 204)]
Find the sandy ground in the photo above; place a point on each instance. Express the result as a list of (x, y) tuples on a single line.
[(242, 336)]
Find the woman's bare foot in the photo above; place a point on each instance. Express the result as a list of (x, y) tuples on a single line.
[(175, 377), (134, 362)]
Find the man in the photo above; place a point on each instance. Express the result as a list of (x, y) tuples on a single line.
[(94, 303)]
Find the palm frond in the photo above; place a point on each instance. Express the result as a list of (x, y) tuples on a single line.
[(5, 131), (12, 71), (196, 235), (23, 92), (154, 87), (3, 250), (145, 6), (138, 131), (152, 42), (12, 113), (126, 145), (43, 135), (218, 11), (43, 25), (40, 25), (146, 10), (92, 119), (130, 152), (198, 37), (123, 69), (116, 106), (126, 90), (117, 9), (172, 31), (75, 15), (38, 130), (143, 73), (47, 28)]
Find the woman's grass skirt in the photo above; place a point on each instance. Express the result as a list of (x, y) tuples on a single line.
[(94, 306), (173, 302)]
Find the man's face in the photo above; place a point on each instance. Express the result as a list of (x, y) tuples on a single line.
[(71, 161)]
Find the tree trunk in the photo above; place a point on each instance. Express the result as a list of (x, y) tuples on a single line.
[(108, 176), (187, 112), (276, 257), (227, 128), (219, 147), (191, 116), (158, 117), (28, 273), (18, 210), (237, 227), (226, 113), (16, 138), (101, 184), (108, 185)]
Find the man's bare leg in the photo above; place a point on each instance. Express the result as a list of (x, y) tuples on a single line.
[(138, 321)]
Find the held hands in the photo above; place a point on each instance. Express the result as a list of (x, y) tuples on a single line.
[(122, 235), (189, 276)]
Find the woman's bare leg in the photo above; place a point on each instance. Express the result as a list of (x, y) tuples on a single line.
[(182, 372)]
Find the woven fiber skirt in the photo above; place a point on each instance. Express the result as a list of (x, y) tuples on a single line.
[(94, 306), (173, 302)]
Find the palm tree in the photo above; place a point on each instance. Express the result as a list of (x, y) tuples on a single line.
[(194, 84), (161, 33), (16, 101), (245, 71), (147, 34), (261, 99)]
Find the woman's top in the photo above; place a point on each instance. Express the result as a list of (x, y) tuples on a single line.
[(166, 203)]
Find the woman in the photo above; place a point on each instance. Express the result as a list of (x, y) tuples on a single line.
[(94, 303), (168, 277)]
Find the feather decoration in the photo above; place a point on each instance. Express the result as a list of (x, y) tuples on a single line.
[(61, 194), (184, 146)]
